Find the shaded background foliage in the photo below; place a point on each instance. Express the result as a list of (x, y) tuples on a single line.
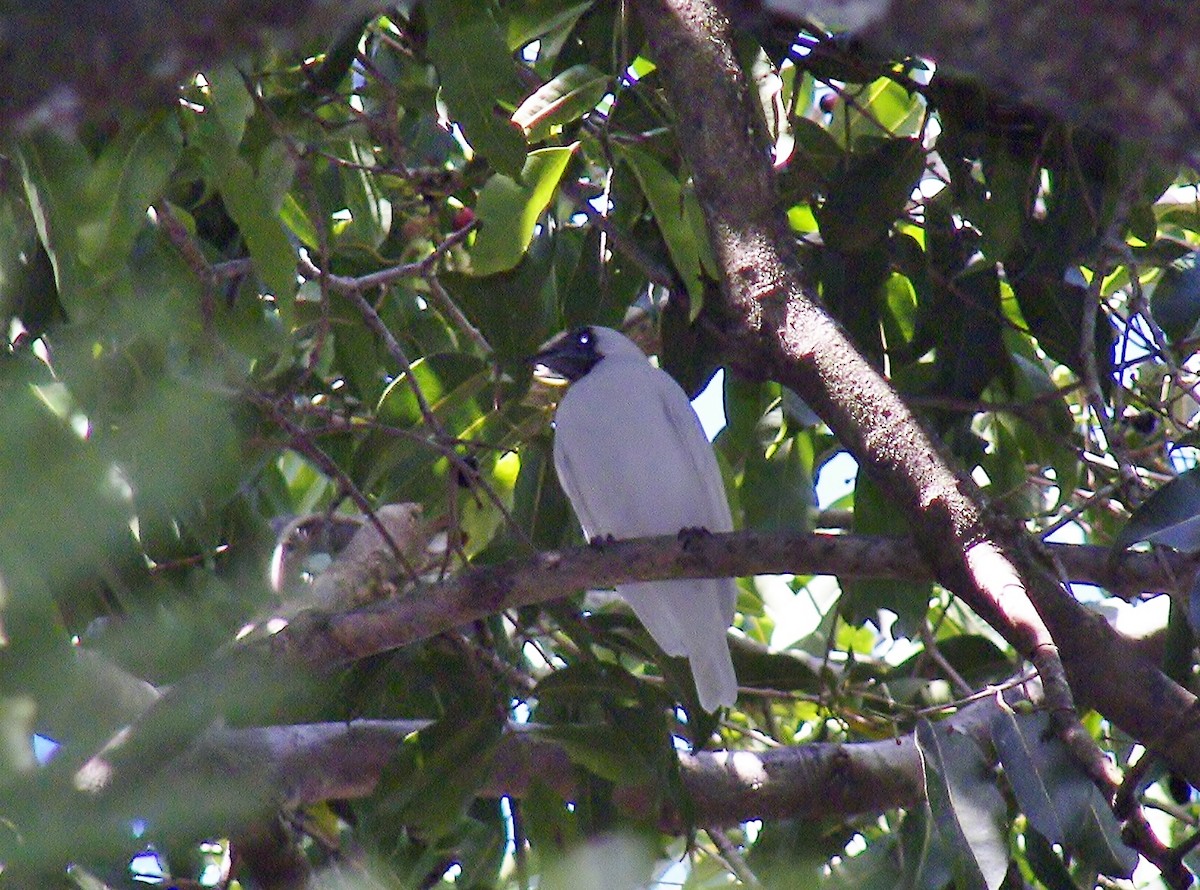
[(296, 287)]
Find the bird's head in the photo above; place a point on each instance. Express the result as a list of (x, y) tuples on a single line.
[(573, 353)]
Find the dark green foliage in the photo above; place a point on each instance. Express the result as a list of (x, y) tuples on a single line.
[(298, 292)]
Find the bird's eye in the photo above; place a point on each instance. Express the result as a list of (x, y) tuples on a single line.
[(584, 338)]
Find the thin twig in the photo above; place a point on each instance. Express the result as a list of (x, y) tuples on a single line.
[(421, 268), (449, 308), (303, 443), (733, 857), (931, 646), (177, 233), (1087, 336), (656, 272)]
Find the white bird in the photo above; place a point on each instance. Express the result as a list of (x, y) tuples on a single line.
[(634, 461)]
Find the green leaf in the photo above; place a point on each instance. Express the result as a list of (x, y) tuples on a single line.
[(488, 301), (967, 806), (17, 725), (468, 49), (1002, 215), (1020, 748), (539, 505), (744, 402), (599, 288), (412, 470), (1170, 516), (230, 101), (971, 353), (869, 193), (769, 87), (1175, 303), (852, 286), (337, 59), (529, 21), (563, 99), (927, 863), (370, 209), (883, 108), (665, 194), (437, 772), (552, 823), (508, 210), (777, 491), (1033, 386), (87, 213), (1080, 813), (55, 172), (1046, 865), (817, 159), (600, 749), (128, 177), (1054, 307), (298, 223), (250, 207), (875, 514)]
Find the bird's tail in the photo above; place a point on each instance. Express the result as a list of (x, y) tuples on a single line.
[(690, 618)]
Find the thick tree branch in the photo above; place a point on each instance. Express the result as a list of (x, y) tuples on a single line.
[(1125, 67), (317, 642), (337, 638), (308, 763), (775, 328)]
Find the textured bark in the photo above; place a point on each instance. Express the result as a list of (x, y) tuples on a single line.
[(309, 763), (335, 638), (314, 642), (774, 328)]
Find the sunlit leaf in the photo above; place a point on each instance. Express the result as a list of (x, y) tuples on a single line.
[(508, 210), (666, 197), (563, 99)]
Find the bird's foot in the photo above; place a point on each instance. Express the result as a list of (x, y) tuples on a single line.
[(601, 541), (693, 535)]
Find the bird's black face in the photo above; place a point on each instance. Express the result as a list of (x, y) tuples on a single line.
[(570, 355)]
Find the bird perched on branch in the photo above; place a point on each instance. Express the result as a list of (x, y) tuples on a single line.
[(633, 460)]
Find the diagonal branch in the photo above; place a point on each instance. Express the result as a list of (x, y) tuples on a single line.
[(775, 328)]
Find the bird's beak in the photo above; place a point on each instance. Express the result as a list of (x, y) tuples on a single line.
[(561, 361)]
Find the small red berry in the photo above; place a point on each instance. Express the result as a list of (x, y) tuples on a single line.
[(828, 102), (463, 217)]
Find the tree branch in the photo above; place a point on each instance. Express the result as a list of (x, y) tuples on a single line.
[(776, 329), (323, 641), (307, 763), (476, 592)]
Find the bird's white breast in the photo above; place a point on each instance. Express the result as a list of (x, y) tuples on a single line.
[(633, 454)]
